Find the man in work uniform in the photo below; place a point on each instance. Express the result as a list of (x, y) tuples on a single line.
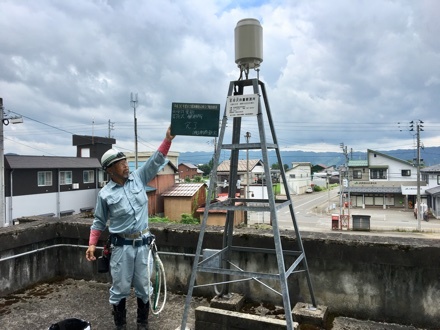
[(123, 202)]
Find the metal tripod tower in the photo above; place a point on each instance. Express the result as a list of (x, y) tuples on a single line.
[(222, 257)]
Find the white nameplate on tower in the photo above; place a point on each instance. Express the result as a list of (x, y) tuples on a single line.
[(242, 105)]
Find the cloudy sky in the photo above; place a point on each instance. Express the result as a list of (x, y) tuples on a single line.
[(348, 71)]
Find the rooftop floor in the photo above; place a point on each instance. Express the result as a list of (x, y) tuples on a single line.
[(48, 303)]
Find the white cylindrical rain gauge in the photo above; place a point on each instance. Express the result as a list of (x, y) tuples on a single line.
[(249, 43)]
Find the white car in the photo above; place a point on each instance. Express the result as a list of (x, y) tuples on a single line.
[(309, 190)]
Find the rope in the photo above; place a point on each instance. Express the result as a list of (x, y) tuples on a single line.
[(159, 273)]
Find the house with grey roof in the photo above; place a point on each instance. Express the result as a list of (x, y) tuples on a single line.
[(254, 169), (383, 181), (50, 185)]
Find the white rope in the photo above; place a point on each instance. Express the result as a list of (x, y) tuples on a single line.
[(159, 273)]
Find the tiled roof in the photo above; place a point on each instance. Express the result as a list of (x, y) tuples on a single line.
[(433, 191), (183, 190), (189, 165), (48, 162), (242, 165), (433, 168), (366, 190), (358, 163)]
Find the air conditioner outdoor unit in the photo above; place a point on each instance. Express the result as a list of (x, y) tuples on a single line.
[(102, 184), (75, 185)]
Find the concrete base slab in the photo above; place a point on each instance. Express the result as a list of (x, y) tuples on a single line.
[(304, 313), (218, 319), (231, 302)]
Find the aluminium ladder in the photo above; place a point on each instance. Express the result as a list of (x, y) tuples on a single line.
[(232, 203)]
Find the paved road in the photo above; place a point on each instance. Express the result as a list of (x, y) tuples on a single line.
[(311, 213)]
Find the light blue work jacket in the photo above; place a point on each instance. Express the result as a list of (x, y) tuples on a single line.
[(126, 207)]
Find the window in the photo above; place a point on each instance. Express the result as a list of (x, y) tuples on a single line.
[(438, 179), (89, 176), (101, 175), (292, 176), (378, 173), (44, 178), (406, 172), (85, 152), (357, 174), (65, 177)]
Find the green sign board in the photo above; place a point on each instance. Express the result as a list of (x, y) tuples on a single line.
[(196, 119)]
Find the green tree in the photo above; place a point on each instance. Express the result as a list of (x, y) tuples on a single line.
[(207, 168), (276, 166), (198, 179)]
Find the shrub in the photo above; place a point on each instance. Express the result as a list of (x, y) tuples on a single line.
[(189, 219), (158, 219)]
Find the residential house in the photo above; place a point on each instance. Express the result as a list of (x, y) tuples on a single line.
[(381, 180), (188, 171), (183, 198), (328, 176), (254, 169), (318, 168), (50, 185), (58, 186), (298, 178), (91, 146), (53, 185), (431, 175)]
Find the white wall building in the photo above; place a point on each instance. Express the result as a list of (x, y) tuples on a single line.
[(298, 178)]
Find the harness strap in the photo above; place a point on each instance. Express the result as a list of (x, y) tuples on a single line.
[(135, 235), (118, 240)]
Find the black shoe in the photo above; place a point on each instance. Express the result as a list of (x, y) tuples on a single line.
[(142, 314), (120, 315)]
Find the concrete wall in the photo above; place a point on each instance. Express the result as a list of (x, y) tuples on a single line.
[(382, 278)]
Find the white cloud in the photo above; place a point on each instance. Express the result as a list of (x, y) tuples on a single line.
[(335, 71)]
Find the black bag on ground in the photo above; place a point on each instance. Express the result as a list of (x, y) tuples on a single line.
[(71, 324)]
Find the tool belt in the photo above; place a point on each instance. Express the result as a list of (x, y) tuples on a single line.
[(118, 240)]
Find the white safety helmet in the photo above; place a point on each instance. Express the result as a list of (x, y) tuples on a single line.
[(110, 157)]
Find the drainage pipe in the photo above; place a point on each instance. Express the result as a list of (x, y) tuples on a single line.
[(85, 247)]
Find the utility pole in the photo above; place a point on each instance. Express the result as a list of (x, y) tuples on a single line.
[(328, 191), (247, 136), (4, 120), (133, 102), (419, 206), (346, 181), (2, 169), (110, 128)]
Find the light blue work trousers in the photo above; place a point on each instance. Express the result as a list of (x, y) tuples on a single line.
[(128, 266)]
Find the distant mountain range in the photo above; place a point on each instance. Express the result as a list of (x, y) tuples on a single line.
[(430, 156)]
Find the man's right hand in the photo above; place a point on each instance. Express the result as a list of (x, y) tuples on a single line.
[(90, 253)]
